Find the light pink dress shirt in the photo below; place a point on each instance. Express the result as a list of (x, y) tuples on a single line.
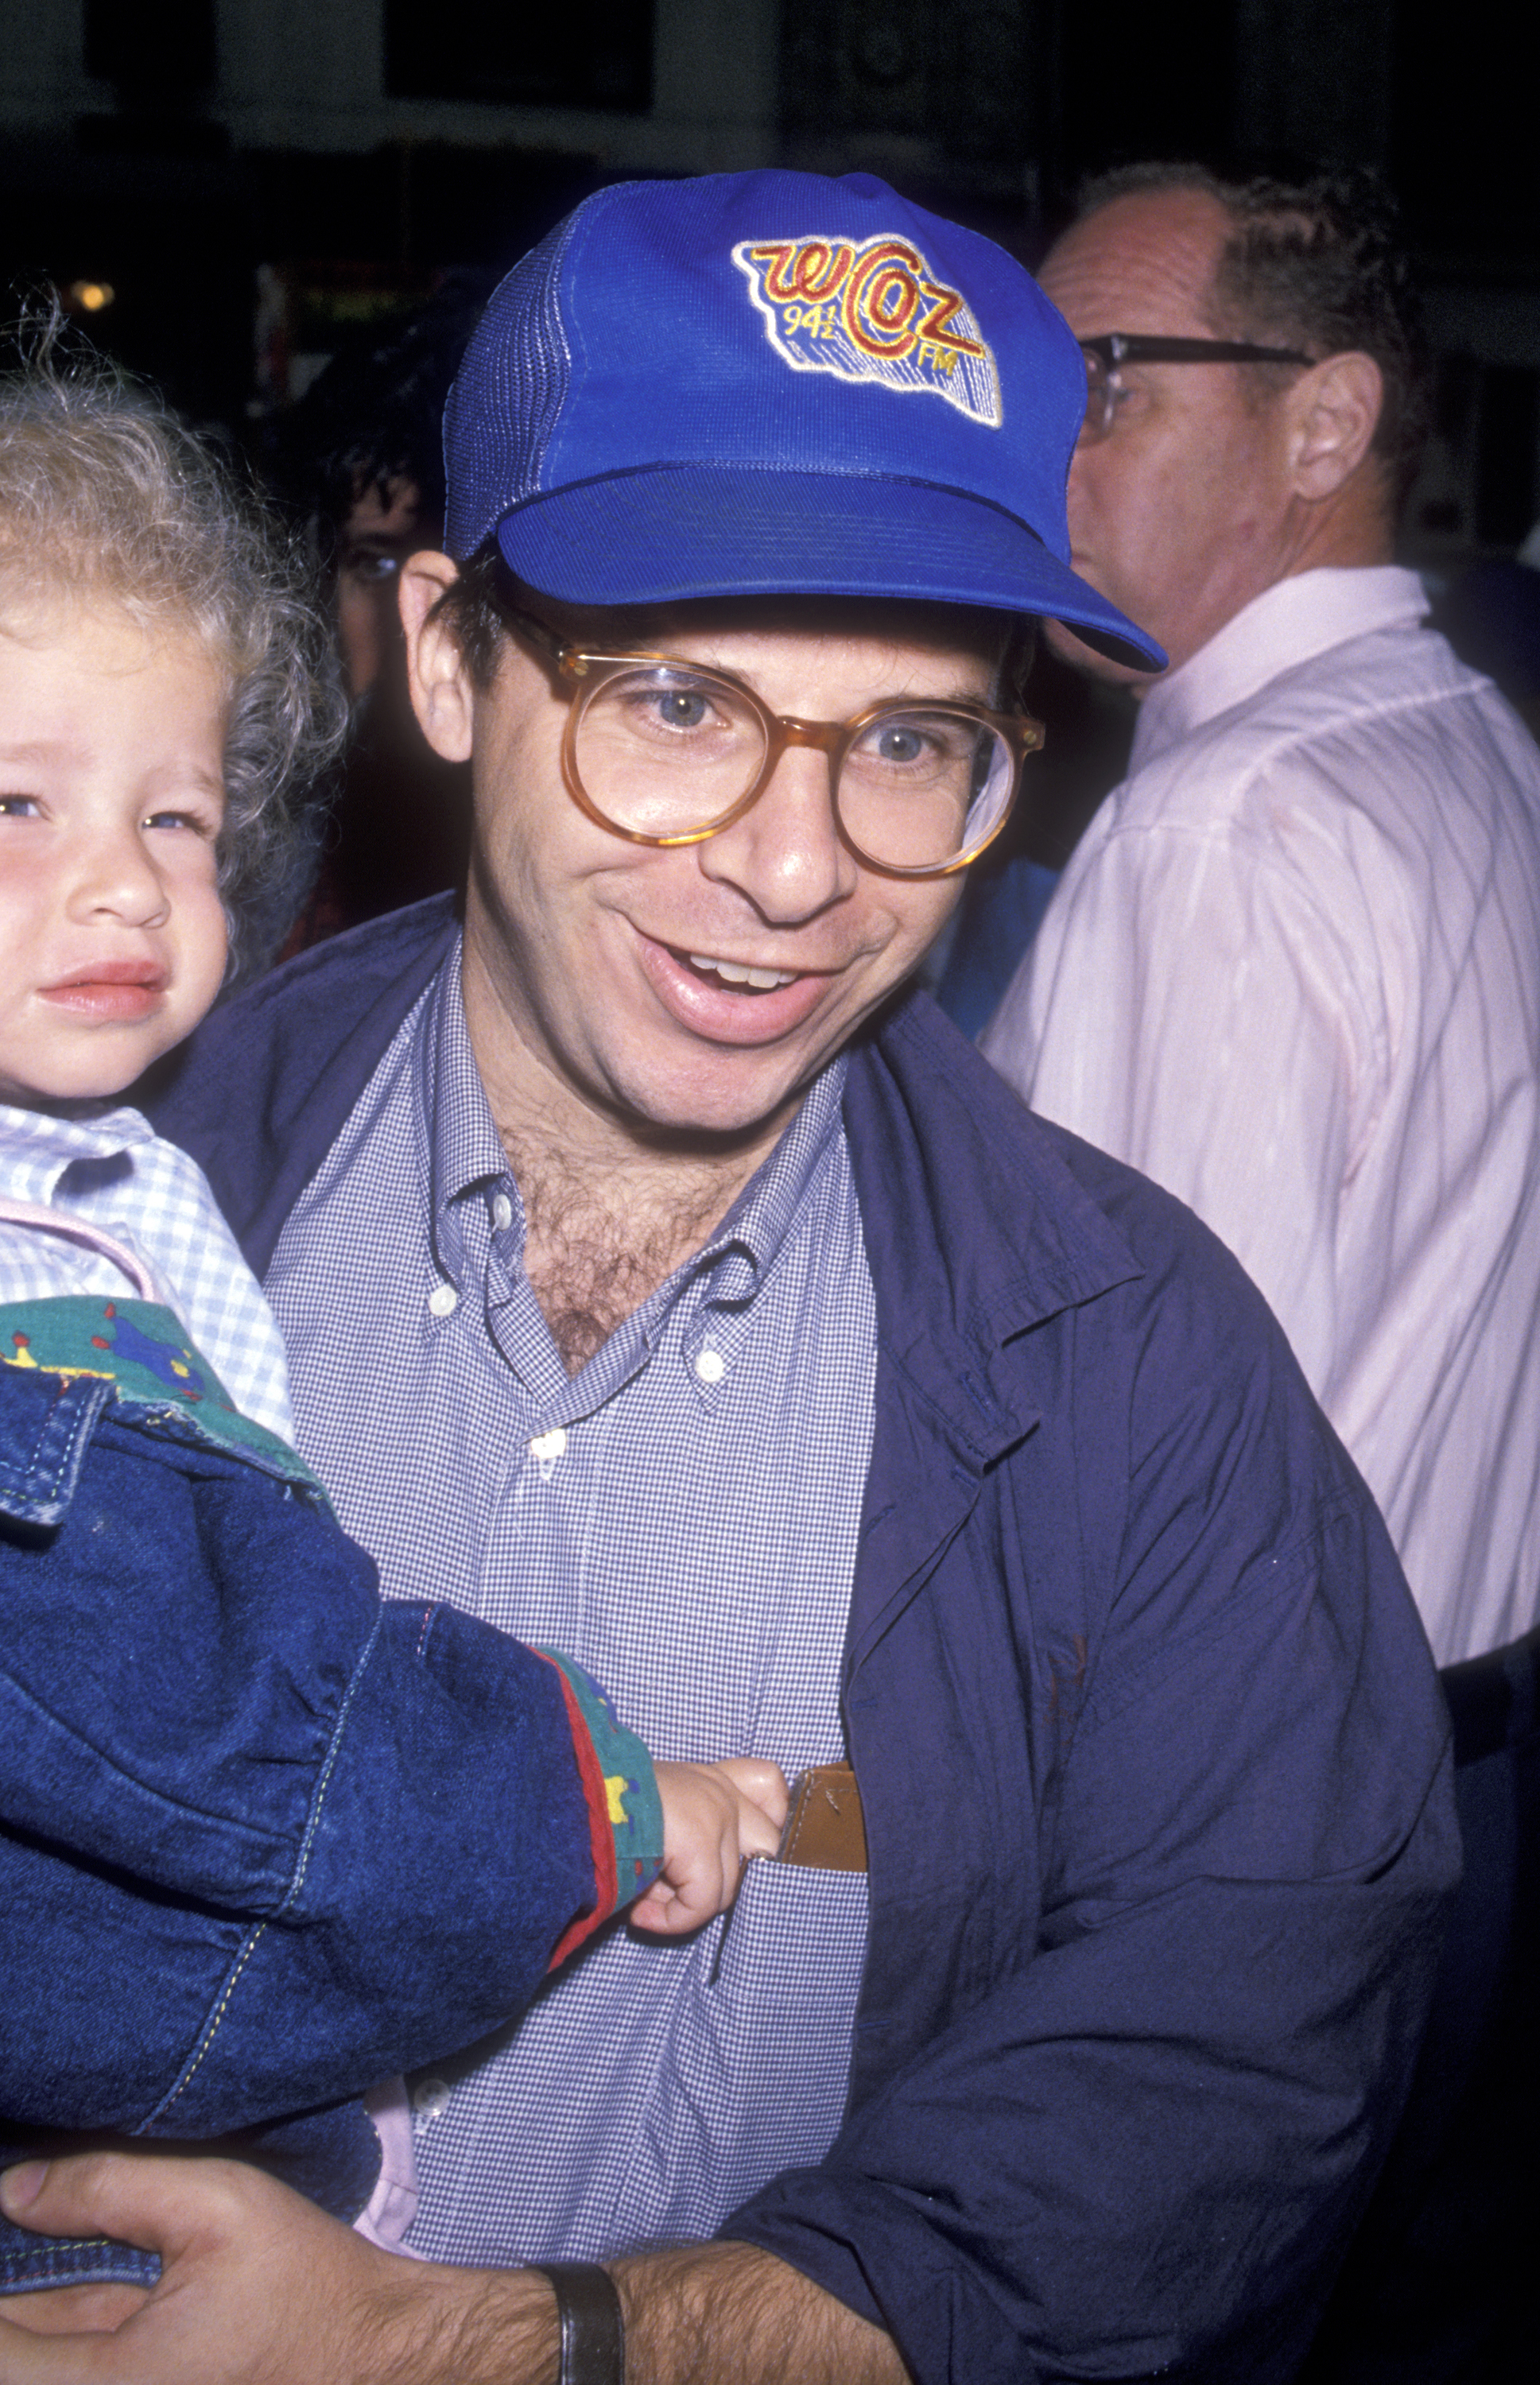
[(1293, 973)]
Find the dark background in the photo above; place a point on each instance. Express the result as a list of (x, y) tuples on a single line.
[(259, 182)]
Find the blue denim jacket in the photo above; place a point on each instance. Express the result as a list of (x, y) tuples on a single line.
[(265, 1837)]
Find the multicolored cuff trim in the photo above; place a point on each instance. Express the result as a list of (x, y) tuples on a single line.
[(156, 1373), (625, 1812)]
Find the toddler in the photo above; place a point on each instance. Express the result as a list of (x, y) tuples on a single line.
[(265, 1837)]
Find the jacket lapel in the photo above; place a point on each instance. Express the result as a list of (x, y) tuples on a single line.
[(975, 1231)]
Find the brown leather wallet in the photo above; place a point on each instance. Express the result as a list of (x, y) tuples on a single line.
[(825, 1827)]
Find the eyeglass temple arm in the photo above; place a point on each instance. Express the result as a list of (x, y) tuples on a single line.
[(537, 632), (1115, 348), (1016, 665)]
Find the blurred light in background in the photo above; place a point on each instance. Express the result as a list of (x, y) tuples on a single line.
[(92, 296)]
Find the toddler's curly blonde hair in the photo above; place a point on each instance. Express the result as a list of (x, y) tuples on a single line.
[(107, 498)]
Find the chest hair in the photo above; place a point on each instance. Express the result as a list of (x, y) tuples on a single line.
[(594, 1252)]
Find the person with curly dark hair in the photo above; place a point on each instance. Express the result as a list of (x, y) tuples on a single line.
[(1293, 973), (361, 462)]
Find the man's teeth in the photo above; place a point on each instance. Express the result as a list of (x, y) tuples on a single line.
[(735, 973)]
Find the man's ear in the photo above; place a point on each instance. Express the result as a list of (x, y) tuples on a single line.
[(440, 685), (1332, 412)]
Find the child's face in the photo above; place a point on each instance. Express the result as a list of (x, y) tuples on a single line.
[(112, 941)]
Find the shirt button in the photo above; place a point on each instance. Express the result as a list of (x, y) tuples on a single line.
[(502, 1212), (443, 1299), (431, 2098), (711, 1365), (546, 1445)]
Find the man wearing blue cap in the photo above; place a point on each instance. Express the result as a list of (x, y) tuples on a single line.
[(661, 1279)]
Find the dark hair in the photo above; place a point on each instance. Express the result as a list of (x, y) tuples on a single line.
[(1318, 265), (376, 414), (477, 607), (104, 495)]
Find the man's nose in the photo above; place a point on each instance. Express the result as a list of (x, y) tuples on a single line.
[(787, 854), (115, 877)]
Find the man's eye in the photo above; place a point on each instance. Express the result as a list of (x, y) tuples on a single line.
[(372, 567), (20, 808), (682, 707), (899, 746)]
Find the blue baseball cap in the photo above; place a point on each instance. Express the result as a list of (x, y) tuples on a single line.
[(774, 384)]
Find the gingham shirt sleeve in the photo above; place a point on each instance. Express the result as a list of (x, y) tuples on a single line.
[(116, 1173), (179, 1228)]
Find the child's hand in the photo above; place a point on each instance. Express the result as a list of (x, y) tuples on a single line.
[(715, 1816)]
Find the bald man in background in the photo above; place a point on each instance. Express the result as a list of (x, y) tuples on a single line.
[(1293, 973)]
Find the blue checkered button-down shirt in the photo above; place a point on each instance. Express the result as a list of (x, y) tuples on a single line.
[(115, 1172), (681, 1518)]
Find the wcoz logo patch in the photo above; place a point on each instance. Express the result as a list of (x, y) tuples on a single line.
[(872, 313)]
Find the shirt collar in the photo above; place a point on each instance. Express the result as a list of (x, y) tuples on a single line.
[(47, 1144), (761, 1216), (464, 1149), (1287, 624), (718, 1288), (464, 1153)]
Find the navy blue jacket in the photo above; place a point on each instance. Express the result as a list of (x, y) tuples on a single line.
[(1150, 1746)]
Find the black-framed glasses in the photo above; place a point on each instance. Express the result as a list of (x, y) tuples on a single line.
[(1106, 355), (664, 752)]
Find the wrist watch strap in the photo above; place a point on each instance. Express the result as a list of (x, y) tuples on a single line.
[(588, 2316)]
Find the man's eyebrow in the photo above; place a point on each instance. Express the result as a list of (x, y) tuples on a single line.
[(917, 697), (956, 693), (971, 696)]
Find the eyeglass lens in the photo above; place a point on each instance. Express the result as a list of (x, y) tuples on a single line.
[(662, 751), (1100, 396)]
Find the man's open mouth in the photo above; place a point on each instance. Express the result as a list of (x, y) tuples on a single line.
[(739, 975)]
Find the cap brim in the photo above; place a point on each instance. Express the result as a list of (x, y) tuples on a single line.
[(680, 530)]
